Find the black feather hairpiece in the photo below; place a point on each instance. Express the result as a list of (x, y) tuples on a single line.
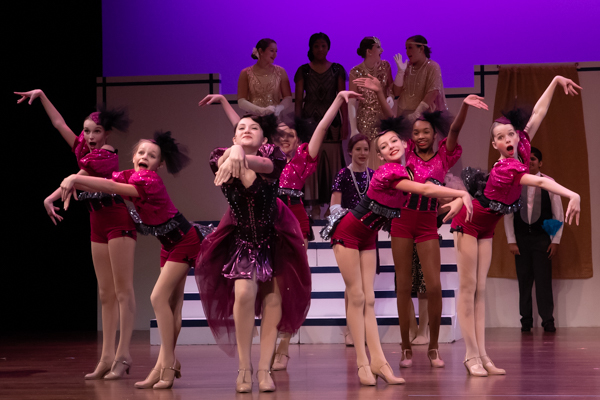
[(517, 117), (440, 121), (172, 153), (112, 118), (400, 125)]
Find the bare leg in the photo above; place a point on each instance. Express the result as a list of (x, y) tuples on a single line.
[(422, 331), (349, 263), (368, 266), (484, 260), (243, 316), (414, 327), (466, 259), (121, 252), (166, 292), (429, 255), (402, 253), (271, 315), (110, 307), (347, 335)]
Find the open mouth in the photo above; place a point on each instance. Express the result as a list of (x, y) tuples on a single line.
[(143, 165), (92, 144), (510, 149)]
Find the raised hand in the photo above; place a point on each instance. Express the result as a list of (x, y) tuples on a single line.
[(348, 94), (31, 95), (212, 98), (401, 65), (370, 83), (51, 209), (573, 209), (568, 85), (475, 101)]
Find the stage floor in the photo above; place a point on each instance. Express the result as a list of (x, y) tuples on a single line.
[(539, 365)]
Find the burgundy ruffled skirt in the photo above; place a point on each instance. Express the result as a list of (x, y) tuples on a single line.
[(222, 254)]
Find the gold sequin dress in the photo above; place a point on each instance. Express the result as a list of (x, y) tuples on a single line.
[(369, 111), (419, 82), (264, 90)]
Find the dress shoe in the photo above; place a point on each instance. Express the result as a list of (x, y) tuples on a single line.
[(435, 359), (365, 376), (280, 362), (386, 373), (152, 379), (243, 383), (118, 370), (490, 367), (474, 367), (101, 369), (265, 382), (167, 377), (405, 361)]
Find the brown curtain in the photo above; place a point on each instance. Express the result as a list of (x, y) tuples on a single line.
[(561, 139)]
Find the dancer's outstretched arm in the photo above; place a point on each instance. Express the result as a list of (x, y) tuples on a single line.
[(237, 162), (319, 135), (233, 117), (574, 207), (57, 120), (471, 100), (541, 107), (93, 184), (431, 190)]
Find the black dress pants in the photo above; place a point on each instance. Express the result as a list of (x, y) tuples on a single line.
[(533, 265)]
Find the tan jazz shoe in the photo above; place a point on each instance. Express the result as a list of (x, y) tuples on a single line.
[(152, 379), (435, 359), (101, 369), (243, 383), (386, 373), (167, 377), (365, 376), (280, 362), (265, 383), (490, 367), (118, 370), (474, 367), (405, 361)]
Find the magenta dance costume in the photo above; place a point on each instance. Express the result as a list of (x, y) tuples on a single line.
[(357, 228), (156, 215), (291, 182), (419, 213), (257, 237), (494, 195), (109, 217)]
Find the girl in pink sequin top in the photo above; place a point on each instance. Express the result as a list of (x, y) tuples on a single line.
[(353, 241), (264, 88), (112, 230), (156, 215), (496, 195)]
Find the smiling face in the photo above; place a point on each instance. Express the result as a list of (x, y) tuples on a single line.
[(360, 153), (423, 135), (269, 54), (146, 156), (390, 147), (287, 139), (505, 139), (249, 135), (94, 134), (415, 53)]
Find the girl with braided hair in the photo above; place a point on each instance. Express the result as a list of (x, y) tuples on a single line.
[(113, 234)]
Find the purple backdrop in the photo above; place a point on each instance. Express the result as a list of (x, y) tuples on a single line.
[(152, 37)]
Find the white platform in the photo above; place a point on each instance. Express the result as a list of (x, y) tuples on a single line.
[(326, 318)]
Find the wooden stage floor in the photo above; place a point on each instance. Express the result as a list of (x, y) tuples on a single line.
[(539, 365)]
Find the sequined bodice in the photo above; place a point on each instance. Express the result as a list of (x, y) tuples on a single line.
[(254, 208), (300, 167), (264, 91), (369, 110), (419, 82)]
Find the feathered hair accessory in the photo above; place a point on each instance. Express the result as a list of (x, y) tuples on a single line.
[(113, 118), (304, 128), (172, 153), (400, 125), (440, 121), (517, 117)]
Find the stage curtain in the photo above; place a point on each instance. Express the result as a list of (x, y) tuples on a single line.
[(561, 139)]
